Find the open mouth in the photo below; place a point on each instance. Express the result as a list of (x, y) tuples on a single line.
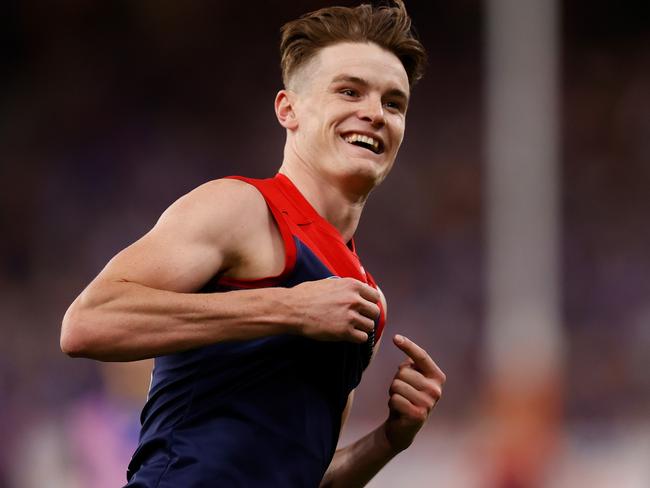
[(370, 143)]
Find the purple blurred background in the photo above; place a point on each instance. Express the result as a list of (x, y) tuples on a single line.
[(109, 111)]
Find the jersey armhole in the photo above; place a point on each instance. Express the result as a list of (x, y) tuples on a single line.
[(287, 239)]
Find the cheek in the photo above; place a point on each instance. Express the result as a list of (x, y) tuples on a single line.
[(398, 137)]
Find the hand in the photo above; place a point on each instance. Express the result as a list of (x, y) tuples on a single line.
[(341, 309), (415, 390)]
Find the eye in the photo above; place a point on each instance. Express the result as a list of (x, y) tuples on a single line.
[(394, 106), (348, 92)]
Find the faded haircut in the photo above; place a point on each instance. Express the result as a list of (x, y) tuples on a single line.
[(389, 27)]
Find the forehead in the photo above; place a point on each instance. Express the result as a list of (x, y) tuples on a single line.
[(363, 60)]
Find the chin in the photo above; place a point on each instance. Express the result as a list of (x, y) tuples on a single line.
[(361, 180)]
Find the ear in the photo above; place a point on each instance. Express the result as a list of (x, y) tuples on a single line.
[(284, 109)]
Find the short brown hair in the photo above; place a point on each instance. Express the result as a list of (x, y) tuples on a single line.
[(388, 27)]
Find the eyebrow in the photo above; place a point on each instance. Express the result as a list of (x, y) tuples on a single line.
[(394, 92)]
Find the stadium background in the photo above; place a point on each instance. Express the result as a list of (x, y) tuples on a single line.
[(109, 111)]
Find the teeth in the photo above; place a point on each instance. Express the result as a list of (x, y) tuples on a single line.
[(361, 138)]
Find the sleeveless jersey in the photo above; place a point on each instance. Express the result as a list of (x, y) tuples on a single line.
[(263, 412)]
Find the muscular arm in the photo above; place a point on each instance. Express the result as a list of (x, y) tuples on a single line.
[(143, 303)]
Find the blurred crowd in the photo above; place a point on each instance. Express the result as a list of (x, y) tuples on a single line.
[(109, 111)]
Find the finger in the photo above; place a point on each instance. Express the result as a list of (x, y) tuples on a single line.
[(430, 387), (422, 360), (407, 363), (363, 323), (419, 381), (369, 309), (399, 404), (416, 397), (368, 292), (358, 336)]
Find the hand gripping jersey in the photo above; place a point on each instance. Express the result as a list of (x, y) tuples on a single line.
[(264, 412)]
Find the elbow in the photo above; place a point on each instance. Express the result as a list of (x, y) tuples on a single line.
[(74, 340), (87, 328), (70, 346)]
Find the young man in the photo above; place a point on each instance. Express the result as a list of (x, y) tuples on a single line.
[(257, 351)]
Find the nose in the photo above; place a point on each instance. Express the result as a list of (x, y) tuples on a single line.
[(372, 110)]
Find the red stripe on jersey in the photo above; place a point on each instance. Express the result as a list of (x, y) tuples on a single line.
[(296, 216)]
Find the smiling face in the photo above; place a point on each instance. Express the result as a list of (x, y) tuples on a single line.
[(345, 114)]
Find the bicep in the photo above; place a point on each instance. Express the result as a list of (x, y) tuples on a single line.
[(166, 262), (194, 239)]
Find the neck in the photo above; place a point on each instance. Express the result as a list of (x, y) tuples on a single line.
[(339, 207)]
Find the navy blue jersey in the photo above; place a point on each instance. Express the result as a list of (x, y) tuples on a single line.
[(264, 412)]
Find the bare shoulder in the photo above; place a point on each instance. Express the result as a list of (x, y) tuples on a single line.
[(247, 232), (217, 202), (219, 211), (231, 189), (232, 216), (200, 235)]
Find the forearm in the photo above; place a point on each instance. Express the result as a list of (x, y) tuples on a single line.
[(355, 465), (125, 321)]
